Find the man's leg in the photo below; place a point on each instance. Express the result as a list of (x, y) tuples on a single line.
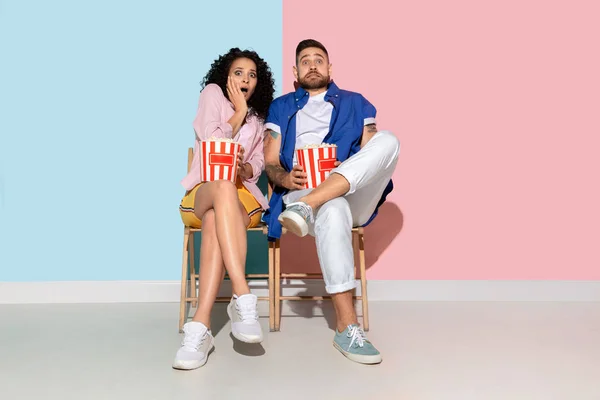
[(333, 237), (332, 229), (364, 168), (369, 170)]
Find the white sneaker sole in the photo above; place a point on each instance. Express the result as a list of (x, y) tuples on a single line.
[(361, 359), (293, 223), (186, 365), (240, 336), (246, 338)]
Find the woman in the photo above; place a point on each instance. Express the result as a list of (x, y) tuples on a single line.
[(237, 93)]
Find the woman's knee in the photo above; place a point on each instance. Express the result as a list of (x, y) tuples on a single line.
[(224, 185), (225, 190), (218, 192)]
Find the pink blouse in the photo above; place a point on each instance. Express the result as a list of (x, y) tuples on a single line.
[(214, 110)]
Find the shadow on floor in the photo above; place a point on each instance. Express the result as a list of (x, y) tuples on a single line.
[(314, 309), (219, 319), (247, 349)]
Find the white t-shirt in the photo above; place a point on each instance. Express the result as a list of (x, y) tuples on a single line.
[(312, 122)]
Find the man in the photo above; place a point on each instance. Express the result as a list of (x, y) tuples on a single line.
[(319, 112)]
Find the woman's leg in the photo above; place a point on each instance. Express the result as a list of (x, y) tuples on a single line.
[(212, 270), (231, 220)]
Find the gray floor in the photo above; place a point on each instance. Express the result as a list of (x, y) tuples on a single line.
[(434, 351)]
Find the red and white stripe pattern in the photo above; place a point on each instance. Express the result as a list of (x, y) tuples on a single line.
[(317, 163), (218, 160)]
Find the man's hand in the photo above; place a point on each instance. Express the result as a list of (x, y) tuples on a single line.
[(293, 180), (296, 179)]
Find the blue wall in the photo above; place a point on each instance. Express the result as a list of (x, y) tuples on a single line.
[(96, 107)]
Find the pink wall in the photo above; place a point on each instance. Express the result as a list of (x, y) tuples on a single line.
[(497, 107)]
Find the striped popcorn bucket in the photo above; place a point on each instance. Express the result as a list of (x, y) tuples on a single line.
[(317, 163), (218, 160)]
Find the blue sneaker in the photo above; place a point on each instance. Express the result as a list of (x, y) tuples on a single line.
[(353, 343), (296, 217)]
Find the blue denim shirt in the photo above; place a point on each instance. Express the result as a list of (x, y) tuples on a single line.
[(351, 112)]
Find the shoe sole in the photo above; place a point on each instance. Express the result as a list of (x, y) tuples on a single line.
[(361, 359), (184, 365), (294, 223), (247, 339), (241, 337)]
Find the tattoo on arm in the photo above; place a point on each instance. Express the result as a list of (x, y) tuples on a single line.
[(368, 132), (273, 134), (276, 174)]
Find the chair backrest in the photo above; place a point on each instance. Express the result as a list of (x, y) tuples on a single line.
[(189, 166)]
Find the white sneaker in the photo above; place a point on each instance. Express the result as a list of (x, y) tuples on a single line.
[(197, 344), (244, 319), (296, 217)]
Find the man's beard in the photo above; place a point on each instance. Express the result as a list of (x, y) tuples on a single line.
[(320, 82)]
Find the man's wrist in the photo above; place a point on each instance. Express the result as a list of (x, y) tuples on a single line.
[(277, 175)]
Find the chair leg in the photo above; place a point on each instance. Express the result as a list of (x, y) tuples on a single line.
[(184, 278), (355, 254), (271, 286), (193, 275), (356, 259), (363, 280), (277, 249)]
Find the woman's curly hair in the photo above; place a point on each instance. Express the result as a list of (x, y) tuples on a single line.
[(262, 97)]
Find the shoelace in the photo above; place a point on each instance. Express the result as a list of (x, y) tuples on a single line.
[(304, 210), (357, 336), (193, 341), (247, 313)]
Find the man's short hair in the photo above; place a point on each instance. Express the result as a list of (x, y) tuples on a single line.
[(306, 43)]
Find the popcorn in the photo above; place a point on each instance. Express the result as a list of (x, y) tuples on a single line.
[(317, 160), (316, 146), (219, 159), (220, 139)]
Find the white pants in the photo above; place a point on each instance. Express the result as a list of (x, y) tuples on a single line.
[(368, 173)]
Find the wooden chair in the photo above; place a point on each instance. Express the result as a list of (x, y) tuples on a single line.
[(358, 242), (190, 280)]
